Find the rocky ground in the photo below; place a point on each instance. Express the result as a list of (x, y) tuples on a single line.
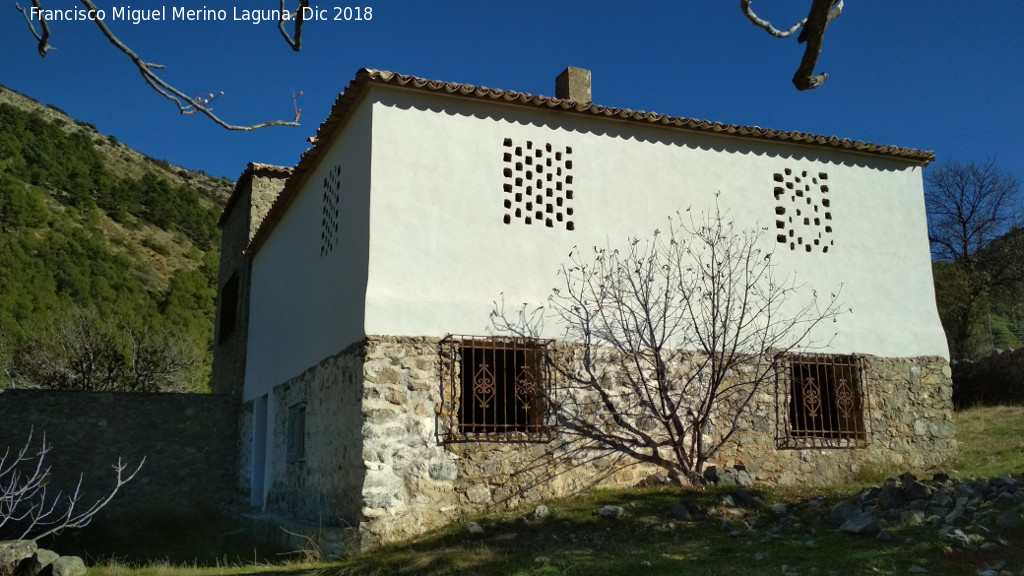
[(960, 514)]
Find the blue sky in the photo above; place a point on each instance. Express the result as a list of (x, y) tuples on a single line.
[(940, 75)]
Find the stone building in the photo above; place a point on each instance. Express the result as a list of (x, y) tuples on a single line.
[(420, 203)]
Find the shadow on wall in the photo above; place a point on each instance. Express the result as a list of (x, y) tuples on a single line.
[(651, 131)]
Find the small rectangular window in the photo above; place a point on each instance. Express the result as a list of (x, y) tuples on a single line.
[(228, 308), (296, 432), (825, 402), (494, 389)]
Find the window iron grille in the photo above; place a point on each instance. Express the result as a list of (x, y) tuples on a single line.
[(494, 389), (824, 402)]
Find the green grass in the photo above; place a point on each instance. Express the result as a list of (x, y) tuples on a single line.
[(646, 540), (991, 441)]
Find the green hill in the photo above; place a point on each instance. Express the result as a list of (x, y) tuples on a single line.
[(108, 258)]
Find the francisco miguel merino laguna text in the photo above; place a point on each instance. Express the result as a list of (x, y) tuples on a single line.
[(204, 14)]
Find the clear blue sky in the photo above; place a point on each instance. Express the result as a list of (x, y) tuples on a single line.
[(941, 75)]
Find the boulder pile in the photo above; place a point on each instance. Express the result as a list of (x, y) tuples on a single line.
[(25, 558)]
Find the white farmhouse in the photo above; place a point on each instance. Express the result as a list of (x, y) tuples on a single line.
[(422, 202)]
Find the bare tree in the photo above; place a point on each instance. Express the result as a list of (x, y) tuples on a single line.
[(86, 352), (29, 511), (671, 338), (812, 33), (970, 208), (187, 105)]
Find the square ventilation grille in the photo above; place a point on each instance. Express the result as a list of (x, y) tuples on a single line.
[(538, 188), (330, 211), (803, 211)]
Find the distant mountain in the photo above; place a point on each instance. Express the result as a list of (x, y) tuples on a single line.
[(108, 258)]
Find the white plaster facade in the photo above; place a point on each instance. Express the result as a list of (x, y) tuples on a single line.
[(422, 248)]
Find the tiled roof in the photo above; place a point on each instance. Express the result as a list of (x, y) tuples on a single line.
[(357, 88), (252, 168)]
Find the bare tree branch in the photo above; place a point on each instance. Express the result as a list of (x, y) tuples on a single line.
[(187, 105), (969, 206), (766, 25), (44, 38), (812, 32), (28, 512), (296, 41), (822, 13), (84, 351), (670, 339)]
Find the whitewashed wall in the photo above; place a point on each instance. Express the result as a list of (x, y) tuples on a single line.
[(306, 305), (440, 253)]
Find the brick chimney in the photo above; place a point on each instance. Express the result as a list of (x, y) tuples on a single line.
[(573, 84)]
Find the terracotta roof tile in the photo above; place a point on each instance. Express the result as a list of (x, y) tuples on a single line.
[(358, 86)]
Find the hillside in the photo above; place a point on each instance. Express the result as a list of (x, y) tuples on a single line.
[(109, 258)]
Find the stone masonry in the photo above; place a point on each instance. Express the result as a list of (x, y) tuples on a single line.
[(254, 194), (187, 440), (321, 485), (996, 378), (384, 467)]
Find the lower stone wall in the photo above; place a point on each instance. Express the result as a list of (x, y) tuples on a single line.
[(245, 451), (375, 457), (995, 379), (910, 420), (188, 441), (415, 483), (322, 484)]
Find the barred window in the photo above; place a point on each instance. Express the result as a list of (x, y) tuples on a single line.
[(296, 432), (494, 389), (825, 402)]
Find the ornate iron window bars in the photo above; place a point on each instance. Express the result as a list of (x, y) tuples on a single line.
[(825, 403), (494, 389)]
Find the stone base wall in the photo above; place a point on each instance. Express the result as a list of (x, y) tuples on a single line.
[(414, 483), (245, 451), (188, 441), (323, 485), (375, 455), (909, 413)]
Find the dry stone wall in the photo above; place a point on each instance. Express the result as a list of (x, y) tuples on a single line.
[(188, 441), (995, 379)]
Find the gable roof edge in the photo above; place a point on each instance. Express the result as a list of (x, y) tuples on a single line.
[(357, 89)]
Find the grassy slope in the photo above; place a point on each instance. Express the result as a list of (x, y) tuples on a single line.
[(992, 441), (648, 541)]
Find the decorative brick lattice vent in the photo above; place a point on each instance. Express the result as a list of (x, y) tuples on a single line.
[(538, 184), (803, 216), (331, 204)]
